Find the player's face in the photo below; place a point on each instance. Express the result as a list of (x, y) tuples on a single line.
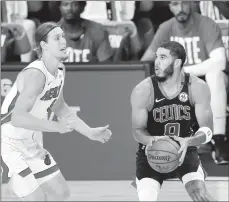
[(70, 10), (163, 64), (56, 44), (181, 10)]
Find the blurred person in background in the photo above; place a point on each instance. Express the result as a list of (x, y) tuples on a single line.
[(206, 58), (143, 22), (14, 40), (17, 12), (216, 10), (87, 40)]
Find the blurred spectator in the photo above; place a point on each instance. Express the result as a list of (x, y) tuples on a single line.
[(202, 40), (17, 12), (109, 10), (216, 10), (102, 12), (87, 40), (159, 13), (143, 23), (36, 10), (54, 11), (124, 10), (124, 39), (14, 42)]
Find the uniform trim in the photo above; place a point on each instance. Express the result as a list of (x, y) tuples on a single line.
[(46, 172), (183, 84), (7, 117), (25, 172)]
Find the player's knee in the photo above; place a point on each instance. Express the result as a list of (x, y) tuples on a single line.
[(37, 195), (26, 187), (149, 194), (61, 194), (147, 189), (65, 194)]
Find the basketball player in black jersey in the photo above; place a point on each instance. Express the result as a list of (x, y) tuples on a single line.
[(171, 103)]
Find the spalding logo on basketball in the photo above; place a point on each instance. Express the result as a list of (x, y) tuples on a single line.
[(163, 155), (183, 97)]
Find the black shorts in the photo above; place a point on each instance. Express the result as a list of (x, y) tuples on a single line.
[(191, 164)]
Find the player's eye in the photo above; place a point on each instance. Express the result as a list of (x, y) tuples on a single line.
[(57, 38)]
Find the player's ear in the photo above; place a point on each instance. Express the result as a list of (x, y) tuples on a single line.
[(43, 45), (177, 63)]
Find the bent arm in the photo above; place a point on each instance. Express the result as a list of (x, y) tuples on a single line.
[(140, 98), (202, 98), (31, 83)]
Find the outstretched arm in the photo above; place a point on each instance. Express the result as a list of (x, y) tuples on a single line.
[(63, 111)]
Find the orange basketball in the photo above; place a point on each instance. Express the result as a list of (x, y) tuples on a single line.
[(163, 155)]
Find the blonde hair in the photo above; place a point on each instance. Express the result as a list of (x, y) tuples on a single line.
[(41, 34)]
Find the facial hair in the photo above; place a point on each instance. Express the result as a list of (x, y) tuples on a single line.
[(167, 73), (183, 20)]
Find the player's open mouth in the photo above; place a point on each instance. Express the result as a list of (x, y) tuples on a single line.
[(157, 70)]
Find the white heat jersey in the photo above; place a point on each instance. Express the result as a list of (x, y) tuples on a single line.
[(42, 106)]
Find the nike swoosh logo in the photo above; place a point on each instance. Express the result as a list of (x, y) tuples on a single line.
[(159, 100)]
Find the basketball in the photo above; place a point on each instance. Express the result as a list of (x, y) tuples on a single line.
[(163, 155)]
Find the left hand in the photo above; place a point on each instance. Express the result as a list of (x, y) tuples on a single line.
[(183, 148)]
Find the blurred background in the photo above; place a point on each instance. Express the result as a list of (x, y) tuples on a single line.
[(106, 43)]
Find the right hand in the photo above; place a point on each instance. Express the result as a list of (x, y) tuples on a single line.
[(100, 134), (64, 125), (154, 139)]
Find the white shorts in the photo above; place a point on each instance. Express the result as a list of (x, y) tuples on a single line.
[(27, 168)]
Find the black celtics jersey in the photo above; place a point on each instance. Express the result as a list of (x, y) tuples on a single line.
[(172, 116)]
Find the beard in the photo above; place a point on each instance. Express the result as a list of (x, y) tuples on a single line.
[(184, 18), (166, 74)]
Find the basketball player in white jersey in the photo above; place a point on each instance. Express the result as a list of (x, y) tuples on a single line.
[(37, 90)]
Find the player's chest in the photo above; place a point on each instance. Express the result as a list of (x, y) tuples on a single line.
[(52, 89), (165, 110)]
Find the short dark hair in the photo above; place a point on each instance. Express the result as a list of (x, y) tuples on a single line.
[(176, 50)]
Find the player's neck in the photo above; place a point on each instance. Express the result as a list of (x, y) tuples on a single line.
[(51, 64), (174, 81)]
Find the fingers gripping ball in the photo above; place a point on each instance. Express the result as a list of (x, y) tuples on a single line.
[(163, 155)]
